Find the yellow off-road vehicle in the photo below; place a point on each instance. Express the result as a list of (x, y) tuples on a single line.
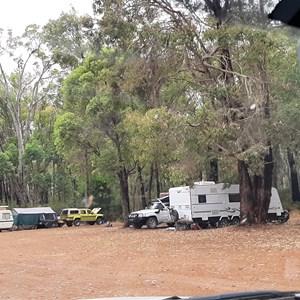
[(75, 216)]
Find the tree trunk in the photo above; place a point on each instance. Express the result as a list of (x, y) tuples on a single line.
[(255, 192), (276, 168), (263, 207), (247, 195), (123, 179), (150, 183), (213, 170), (142, 186), (294, 177), (157, 181)]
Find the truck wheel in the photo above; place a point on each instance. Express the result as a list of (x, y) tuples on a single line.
[(77, 222), (152, 223), (137, 226), (99, 221), (69, 224), (223, 223)]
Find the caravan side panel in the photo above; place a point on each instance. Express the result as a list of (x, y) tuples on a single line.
[(210, 203)]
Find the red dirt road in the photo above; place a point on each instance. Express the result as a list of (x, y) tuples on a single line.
[(96, 261)]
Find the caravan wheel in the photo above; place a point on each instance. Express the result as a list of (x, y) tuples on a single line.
[(203, 225), (235, 221), (223, 223), (213, 224)]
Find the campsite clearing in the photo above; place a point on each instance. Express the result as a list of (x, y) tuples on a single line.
[(96, 261)]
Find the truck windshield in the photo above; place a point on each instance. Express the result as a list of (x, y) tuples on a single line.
[(155, 205)]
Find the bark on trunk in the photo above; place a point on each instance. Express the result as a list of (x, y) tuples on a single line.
[(247, 195), (150, 183), (213, 170), (294, 177), (123, 179), (267, 187), (157, 181), (275, 166), (255, 192), (142, 186)]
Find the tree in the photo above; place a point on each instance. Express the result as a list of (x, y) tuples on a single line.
[(231, 65), (287, 112), (97, 103), (69, 38), (22, 91)]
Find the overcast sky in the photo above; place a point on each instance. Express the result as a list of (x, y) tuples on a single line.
[(17, 14)]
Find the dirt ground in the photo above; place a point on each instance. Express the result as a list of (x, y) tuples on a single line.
[(97, 261)]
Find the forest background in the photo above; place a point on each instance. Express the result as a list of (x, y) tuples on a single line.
[(147, 95)]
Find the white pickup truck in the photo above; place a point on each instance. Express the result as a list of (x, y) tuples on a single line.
[(157, 213)]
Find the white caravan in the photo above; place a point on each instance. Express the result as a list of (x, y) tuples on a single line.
[(207, 203), (6, 218)]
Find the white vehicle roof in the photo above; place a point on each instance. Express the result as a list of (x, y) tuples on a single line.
[(33, 210)]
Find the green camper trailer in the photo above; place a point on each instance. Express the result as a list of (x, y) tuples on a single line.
[(34, 217)]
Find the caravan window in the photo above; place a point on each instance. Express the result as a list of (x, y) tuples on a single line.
[(201, 198), (234, 198), (5, 216)]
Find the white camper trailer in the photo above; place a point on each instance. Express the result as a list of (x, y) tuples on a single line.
[(6, 218), (207, 203)]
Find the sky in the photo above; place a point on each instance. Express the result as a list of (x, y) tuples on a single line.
[(17, 14)]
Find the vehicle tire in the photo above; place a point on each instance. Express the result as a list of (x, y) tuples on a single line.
[(99, 221), (60, 224), (69, 224), (152, 223), (77, 222), (174, 216), (223, 223), (235, 221), (213, 224), (92, 223), (284, 217), (203, 225), (137, 226)]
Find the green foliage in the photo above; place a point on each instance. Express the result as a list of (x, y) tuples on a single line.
[(12, 153), (151, 141), (68, 133), (69, 38), (6, 166), (33, 152), (103, 197)]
